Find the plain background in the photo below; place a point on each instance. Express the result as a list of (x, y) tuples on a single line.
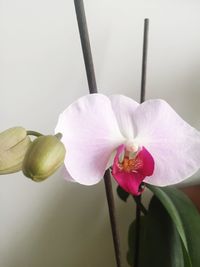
[(55, 223)]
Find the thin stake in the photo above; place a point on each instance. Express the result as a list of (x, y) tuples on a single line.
[(144, 60), (87, 54), (85, 42), (142, 99), (112, 212)]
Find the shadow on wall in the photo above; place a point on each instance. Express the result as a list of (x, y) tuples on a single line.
[(192, 96), (73, 230), (188, 92)]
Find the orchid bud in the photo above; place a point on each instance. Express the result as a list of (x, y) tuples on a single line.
[(45, 155), (14, 143)]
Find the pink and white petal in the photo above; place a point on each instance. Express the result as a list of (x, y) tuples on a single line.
[(172, 142), (124, 108), (90, 134)]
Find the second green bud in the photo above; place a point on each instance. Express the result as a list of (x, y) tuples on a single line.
[(44, 156)]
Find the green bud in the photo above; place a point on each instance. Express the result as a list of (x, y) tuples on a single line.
[(45, 155), (14, 143)]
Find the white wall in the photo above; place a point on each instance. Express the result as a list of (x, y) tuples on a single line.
[(56, 223)]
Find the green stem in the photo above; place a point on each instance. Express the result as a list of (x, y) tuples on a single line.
[(141, 206), (59, 136), (34, 133)]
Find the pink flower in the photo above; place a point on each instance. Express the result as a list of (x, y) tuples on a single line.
[(144, 142)]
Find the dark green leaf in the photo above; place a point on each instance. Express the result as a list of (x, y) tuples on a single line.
[(186, 219), (123, 195), (160, 244)]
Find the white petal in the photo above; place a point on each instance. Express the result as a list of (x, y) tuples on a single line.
[(173, 143), (124, 108), (90, 134)]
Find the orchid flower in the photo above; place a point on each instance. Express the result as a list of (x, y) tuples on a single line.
[(146, 142)]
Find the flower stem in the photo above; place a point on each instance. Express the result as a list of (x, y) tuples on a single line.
[(34, 133), (59, 136), (137, 233), (141, 206), (87, 54)]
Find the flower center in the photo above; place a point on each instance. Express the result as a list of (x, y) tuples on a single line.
[(129, 164)]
